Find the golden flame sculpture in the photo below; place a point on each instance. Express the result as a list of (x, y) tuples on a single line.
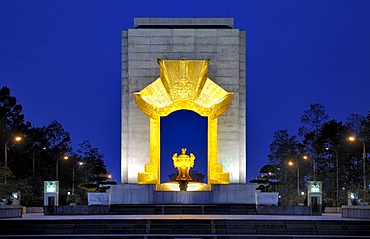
[(183, 85)]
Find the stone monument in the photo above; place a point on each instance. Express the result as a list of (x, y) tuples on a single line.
[(200, 62)]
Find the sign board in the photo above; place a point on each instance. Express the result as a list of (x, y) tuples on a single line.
[(267, 198), (314, 199), (51, 186), (51, 194), (314, 187), (98, 198)]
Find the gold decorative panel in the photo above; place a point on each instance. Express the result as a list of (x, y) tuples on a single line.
[(183, 85)]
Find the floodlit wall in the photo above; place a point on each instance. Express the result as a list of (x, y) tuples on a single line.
[(193, 39)]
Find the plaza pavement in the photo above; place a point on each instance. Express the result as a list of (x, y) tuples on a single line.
[(325, 216), (244, 226)]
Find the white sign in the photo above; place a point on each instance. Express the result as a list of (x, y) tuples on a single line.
[(267, 198), (98, 198), (51, 186)]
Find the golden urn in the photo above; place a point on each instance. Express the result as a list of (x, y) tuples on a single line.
[(183, 163)]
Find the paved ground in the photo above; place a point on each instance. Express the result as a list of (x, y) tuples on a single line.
[(174, 234), (41, 216)]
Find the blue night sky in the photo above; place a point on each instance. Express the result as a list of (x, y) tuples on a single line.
[(62, 60)]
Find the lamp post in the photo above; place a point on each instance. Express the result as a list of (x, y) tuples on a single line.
[(57, 166), (33, 161), (73, 176), (305, 157), (291, 163), (337, 166), (17, 139), (314, 169), (352, 138)]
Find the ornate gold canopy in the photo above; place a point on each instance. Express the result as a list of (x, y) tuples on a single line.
[(183, 85)]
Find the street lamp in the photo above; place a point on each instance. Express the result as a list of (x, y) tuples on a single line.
[(352, 139), (291, 163), (313, 168), (17, 139), (73, 176), (337, 166), (57, 166), (105, 175), (305, 157), (33, 161)]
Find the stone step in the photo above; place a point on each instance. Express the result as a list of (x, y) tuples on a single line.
[(233, 209), (185, 227)]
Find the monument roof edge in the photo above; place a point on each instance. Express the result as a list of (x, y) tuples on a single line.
[(166, 22)]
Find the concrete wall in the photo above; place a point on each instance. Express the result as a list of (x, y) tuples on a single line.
[(226, 49), (356, 212), (283, 210), (146, 194), (34, 209), (8, 211), (82, 210)]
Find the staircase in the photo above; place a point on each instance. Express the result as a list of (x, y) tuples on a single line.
[(220, 209), (184, 228)]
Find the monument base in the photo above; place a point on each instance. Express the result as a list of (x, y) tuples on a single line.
[(147, 194)]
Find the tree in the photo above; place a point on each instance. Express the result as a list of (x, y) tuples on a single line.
[(365, 134), (355, 123), (331, 140), (366, 138), (35, 159), (282, 148), (93, 175), (9, 184), (318, 132), (11, 117), (59, 144), (358, 126), (92, 158), (12, 123), (267, 178), (58, 139), (312, 121)]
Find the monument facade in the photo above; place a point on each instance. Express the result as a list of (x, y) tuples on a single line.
[(198, 48)]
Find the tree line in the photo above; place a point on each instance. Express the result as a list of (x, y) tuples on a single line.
[(41, 156), (318, 151)]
